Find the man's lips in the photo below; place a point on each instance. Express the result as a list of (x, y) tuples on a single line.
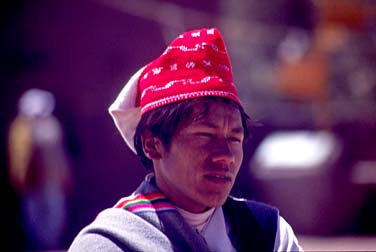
[(219, 177)]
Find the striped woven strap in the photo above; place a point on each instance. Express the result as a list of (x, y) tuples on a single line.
[(152, 202)]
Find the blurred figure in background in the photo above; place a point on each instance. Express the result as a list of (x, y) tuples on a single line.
[(39, 169)]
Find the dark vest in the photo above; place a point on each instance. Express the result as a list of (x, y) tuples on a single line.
[(253, 224)]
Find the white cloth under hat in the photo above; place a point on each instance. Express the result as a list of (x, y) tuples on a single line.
[(125, 112)]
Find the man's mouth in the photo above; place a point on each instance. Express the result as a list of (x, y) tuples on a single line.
[(219, 178)]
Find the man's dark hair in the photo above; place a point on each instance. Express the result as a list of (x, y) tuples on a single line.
[(163, 122)]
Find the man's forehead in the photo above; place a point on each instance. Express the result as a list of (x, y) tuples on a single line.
[(209, 111)]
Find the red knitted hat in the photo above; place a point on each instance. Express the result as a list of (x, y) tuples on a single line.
[(195, 64)]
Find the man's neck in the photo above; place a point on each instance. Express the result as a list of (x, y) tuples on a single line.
[(197, 220)]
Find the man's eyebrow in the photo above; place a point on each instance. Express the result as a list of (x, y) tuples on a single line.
[(212, 125), (238, 130)]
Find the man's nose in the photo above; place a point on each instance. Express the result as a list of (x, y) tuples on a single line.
[(223, 153)]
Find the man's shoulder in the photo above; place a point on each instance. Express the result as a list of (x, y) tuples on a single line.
[(110, 218), (114, 229)]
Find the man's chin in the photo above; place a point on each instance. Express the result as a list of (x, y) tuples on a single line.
[(217, 202)]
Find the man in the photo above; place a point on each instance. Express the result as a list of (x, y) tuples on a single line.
[(181, 114)]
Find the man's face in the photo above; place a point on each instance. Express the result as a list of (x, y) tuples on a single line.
[(199, 168)]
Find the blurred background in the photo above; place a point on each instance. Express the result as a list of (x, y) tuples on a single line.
[(305, 71)]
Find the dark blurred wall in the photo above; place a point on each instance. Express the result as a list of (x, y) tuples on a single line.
[(11, 63)]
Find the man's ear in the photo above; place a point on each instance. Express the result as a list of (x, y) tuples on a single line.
[(152, 146)]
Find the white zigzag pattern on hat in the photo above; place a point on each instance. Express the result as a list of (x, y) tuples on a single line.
[(179, 97), (206, 79), (194, 49)]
